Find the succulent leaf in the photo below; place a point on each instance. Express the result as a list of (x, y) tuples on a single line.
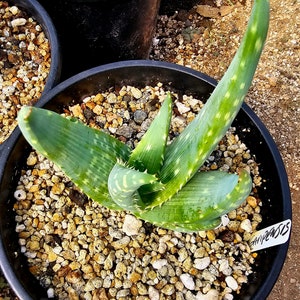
[(149, 152), (123, 185), (198, 206), (181, 198), (188, 152), (84, 154)]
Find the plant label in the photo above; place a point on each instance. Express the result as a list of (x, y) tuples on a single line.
[(271, 236)]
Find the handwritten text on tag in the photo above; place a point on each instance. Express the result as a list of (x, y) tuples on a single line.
[(271, 236)]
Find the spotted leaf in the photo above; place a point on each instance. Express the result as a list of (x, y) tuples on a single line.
[(84, 154), (192, 147), (150, 151), (123, 185), (202, 201)]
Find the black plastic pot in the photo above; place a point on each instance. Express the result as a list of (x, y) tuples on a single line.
[(169, 7), (95, 32), (35, 10), (275, 193)]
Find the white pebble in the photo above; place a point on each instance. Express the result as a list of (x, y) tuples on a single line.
[(187, 281), (182, 108), (30, 254), (224, 267), (79, 212), (20, 194), (50, 293), (131, 225), (159, 263), (231, 283), (228, 297), (57, 249), (8, 90), (246, 225), (153, 293), (14, 10), (202, 263), (136, 93), (18, 22), (20, 228)]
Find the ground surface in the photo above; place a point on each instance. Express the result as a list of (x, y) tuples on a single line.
[(274, 96)]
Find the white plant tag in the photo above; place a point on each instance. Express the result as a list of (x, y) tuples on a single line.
[(271, 236)]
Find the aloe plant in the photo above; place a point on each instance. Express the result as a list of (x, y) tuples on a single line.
[(157, 182)]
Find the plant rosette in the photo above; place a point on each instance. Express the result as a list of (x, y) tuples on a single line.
[(30, 59), (273, 195)]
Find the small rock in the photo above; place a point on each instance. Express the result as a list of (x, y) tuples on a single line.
[(228, 297), (224, 267), (121, 243), (207, 11), (139, 116), (14, 10), (112, 98), (18, 22), (182, 254), (58, 188), (50, 293), (153, 293), (135, 277), (159, 263), (136, 93), (207, 275), (252, 201), (201, 263), (131, 225), (246, 225), (188, 281), (20, 194), (231, 283), (168, 289), (272, 81), (182, 108), (109, 261), (125, 131), (226, 9), (120, 270), (31, 160)]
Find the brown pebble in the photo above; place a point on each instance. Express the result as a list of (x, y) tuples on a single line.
[(135, 277), (226, 236)]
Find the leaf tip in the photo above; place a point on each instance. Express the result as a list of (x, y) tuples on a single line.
[(24, 113)]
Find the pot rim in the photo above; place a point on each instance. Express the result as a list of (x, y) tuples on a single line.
[(266, 287)]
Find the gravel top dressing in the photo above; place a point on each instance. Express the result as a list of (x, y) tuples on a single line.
[(81, 250), (24, 64)]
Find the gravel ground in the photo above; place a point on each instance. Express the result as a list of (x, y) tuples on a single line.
[(274, 95)]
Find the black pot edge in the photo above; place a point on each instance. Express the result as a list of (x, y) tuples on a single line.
[(268, 284), (274, 272)]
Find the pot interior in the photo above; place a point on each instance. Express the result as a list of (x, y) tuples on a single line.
[(275, 191)]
